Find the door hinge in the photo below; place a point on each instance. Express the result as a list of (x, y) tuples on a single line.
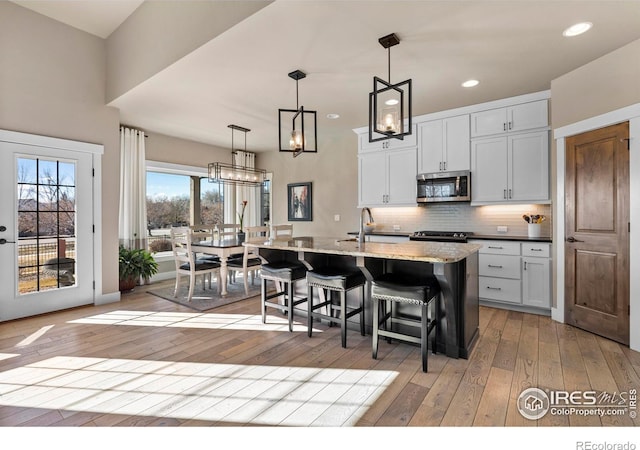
[(93, 228), (628, 309), (628, 142), (93, 172), (94, 285)]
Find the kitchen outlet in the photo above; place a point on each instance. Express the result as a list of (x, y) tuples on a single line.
[(336, 218), (396, 228), (502, 228)]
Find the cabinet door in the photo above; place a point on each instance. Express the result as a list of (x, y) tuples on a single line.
[(527, 116), (456, 149), (492, 121), (529, 166), (402, 170), (536, 276), (372, 181), (388, 144), (431, 146), (489, 170)]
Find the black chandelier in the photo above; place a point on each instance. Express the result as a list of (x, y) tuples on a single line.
[(389, 104), (236, 173), (297, 130)]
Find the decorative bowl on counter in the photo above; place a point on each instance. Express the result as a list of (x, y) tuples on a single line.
[(369, 227)]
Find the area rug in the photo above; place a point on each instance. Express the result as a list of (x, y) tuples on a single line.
[(207, 299)]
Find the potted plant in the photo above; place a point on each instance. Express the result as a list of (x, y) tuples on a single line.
[(134, 264)]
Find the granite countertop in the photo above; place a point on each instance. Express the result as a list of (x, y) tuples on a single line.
[(434, 252), (484, 237), (505, 237)]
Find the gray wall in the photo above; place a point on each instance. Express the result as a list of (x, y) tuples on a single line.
[(52, 80)]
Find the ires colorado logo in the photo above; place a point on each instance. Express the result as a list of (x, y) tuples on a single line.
[(534, 403)]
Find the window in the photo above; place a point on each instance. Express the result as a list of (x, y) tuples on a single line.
[(211, 202)]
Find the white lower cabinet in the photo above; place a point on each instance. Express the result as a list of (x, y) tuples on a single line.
[(515, 273)]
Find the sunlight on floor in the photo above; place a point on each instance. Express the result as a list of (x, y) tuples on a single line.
[(8, 355), (268, 395), (34, 336), (194, 320)]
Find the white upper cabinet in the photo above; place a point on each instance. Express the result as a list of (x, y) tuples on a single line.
[(444, 145), (387, 178), (521, 117), (390, 144), (510, 169)]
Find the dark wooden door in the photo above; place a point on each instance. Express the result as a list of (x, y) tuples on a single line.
[(597, 232)]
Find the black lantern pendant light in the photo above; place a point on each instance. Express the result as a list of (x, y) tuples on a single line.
[(389, 104), (236, 173), (297, 131)]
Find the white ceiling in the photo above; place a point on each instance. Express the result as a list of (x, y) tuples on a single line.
[(240, 77)]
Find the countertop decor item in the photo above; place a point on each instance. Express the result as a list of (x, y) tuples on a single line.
[(243, 206), (533, 221)]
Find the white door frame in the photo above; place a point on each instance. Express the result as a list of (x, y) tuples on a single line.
[(631, 114), (97, 151)]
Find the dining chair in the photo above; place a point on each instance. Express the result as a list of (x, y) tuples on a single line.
[(284, 230), (203, 232), (186, 262), (250, 262)]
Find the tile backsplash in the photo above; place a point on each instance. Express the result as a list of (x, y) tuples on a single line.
[(462, 217)]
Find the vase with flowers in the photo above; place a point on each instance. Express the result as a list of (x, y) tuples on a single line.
[(241, 233)]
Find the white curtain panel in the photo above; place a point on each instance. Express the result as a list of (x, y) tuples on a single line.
[(235, 195), (133, 189)]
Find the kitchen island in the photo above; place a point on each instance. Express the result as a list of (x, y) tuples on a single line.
[(454, 265)]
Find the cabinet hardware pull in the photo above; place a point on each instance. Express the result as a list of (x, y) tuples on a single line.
[(497, 248), (504, 195), (445, 165), (504, 126), (510, 196), (494, 288), (440, 165), (494, 266), (525, 265), (535, 249), (510, 125)]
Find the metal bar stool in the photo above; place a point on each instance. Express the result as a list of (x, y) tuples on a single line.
[(401, 288), (287, 273), (335, 280)]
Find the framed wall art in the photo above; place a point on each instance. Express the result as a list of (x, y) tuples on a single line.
[(300, 204)]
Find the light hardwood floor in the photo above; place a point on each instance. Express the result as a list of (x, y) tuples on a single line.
[(515, 351)]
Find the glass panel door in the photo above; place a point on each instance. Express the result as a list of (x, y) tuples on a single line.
[(47, 255)]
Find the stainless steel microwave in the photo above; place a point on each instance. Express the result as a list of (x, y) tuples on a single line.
[(444, 187)]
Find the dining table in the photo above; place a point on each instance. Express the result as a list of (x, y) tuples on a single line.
[(223, 248)]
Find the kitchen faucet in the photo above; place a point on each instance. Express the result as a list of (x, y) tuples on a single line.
[(361, 233)]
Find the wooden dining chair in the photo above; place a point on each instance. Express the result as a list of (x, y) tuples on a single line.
[(282, 231), (186, 262), (250, 262)]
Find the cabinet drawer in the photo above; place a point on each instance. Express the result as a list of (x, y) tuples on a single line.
[(500, 248), (535, 249), (503, 266), (502, 289)]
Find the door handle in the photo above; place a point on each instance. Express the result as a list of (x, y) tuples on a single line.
[(572, 239), (4, 241)]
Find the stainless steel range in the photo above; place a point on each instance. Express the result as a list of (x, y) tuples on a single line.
[(441, 236)]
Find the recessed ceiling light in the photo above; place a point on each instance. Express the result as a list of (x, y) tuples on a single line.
[(391, 102), (333, 116), (577, 29), (470, 83)]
